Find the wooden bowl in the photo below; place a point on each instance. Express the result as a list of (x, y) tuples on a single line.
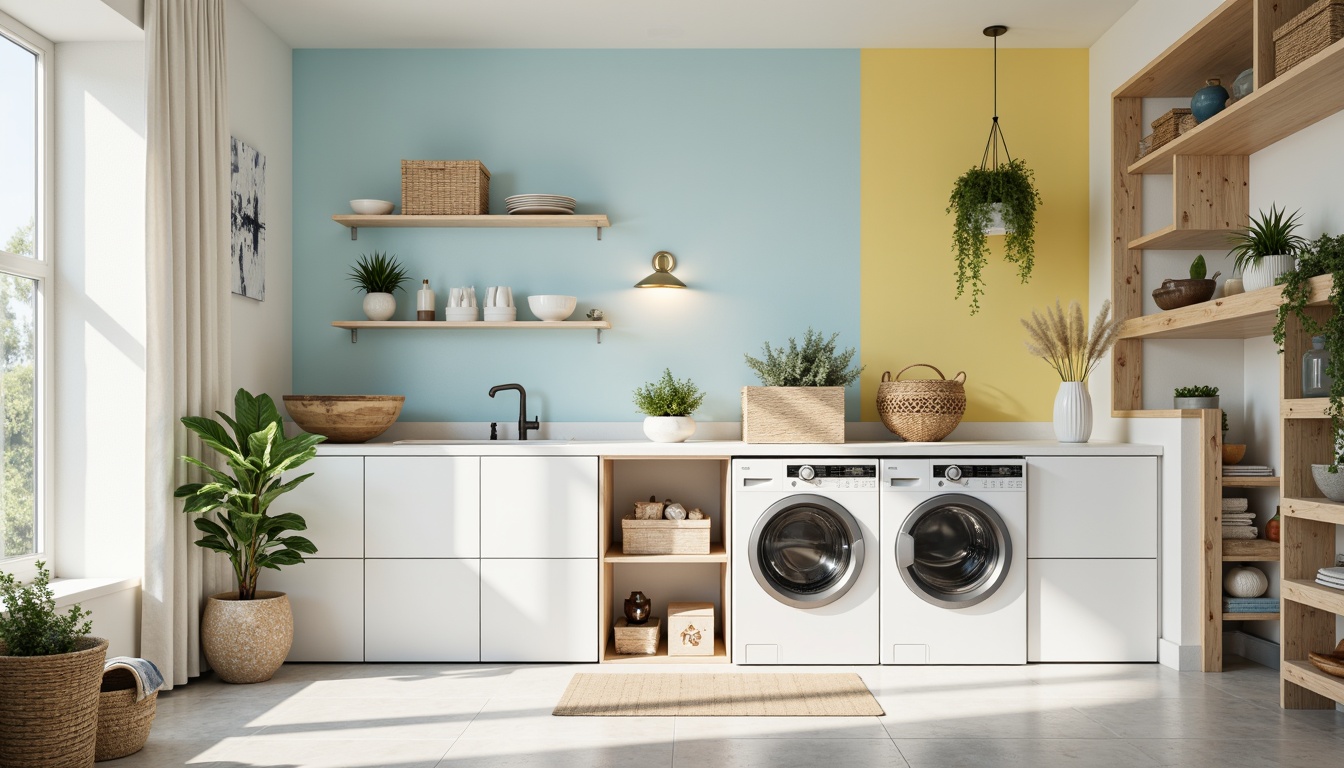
[(1175, 294), (345, 418), (1329, 663), (1233, 453)]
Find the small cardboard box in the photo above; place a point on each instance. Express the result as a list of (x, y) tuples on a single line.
[(690, 629)]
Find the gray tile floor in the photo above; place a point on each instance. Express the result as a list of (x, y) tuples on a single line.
[(1037, 716)]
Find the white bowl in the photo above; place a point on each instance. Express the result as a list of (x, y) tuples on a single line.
[(551, 307), (371, 207), (459, 314), (498, 314)]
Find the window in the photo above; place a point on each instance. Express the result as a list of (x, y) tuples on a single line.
[(25, 294)]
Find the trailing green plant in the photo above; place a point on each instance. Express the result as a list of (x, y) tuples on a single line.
[(1271, 234), (1197, 391), (1063, 341), (1011, 184), (378, 273), (29, 624), (668, 397), (815, 364), (1198, 268), (1323, 256), (257, 453)]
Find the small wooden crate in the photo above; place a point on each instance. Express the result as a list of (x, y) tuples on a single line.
[(444, 188), (637, 640), (1167, 127), (690, 629), (1307, 34), (664, 537), (793, 414)]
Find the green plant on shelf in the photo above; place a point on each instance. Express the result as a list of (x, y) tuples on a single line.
[(1197, 391), (669, 397), (1272, 234), (1198, 268), (815, 364), (378, 273)]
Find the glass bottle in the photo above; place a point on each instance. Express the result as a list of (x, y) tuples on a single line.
[(1315, 381)]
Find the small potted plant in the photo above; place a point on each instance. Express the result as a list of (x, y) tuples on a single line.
[(1232, 452), (1196, 397), (1174, 293), (50, 675), (1268, 249), (378, 276), (667, 405), (803, 400), (989, 198)]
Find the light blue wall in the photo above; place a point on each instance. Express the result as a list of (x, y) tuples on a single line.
[(745, 164)]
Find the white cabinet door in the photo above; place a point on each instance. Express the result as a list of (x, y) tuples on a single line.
[(331, 502), (422, 506), (1092, 610), (1092, 506), (422, 610), (539, 610), (539, 506), (327, 597)]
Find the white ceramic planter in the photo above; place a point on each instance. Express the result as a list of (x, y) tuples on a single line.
[(669, 429), (996, 225), (380, 306), (1264, 272), (1073, 412)]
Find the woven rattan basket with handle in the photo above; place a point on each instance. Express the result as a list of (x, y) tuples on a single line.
[(123, 722), (922, 410)]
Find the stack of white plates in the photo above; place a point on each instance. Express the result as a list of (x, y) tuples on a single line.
[(540, 204)]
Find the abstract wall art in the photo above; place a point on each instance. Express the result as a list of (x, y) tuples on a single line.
[(247, 224)]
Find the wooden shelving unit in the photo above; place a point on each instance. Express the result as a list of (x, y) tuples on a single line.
[(1250, 551), (610, 656), (1250, 617), (1250, 482), (1174, 238), (596, 221), (1243, 316), (354, 326)]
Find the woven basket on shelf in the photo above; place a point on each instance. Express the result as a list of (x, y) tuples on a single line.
[(123, 722), (1307, 34), (444, 188), (1167, 127), (922, 410), (49, 706)]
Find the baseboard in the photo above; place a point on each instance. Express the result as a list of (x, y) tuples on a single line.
[(1182, 658), (1261, 651)]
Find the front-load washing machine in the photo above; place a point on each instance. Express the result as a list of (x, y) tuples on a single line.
[(805, 571), (954, 561)]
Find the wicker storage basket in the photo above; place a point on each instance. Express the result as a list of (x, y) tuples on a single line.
[(1307, 34), (922, 410), (1167, 127), (664, 537), (641, 639), (123, 722), (49, 706), (444, 188), (793, 414)]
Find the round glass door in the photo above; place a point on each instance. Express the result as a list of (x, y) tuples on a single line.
[(806, 551), (953, 551)]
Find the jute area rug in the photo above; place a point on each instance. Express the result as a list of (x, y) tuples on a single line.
[(717, 695)]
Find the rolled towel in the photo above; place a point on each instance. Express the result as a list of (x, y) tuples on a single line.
[(1240, 532), (147, 676)]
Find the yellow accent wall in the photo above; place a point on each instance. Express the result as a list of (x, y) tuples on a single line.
[(926, 116)]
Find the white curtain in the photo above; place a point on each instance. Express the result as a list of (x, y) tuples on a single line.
[(187, 242)]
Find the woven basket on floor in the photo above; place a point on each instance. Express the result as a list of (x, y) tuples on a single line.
[(1307, 34), (123, 722), (444, 188), (922, 410), (49, 706)]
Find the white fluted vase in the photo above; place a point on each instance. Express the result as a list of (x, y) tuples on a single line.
[(1073, 412)]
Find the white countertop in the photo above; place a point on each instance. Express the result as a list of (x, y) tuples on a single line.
[(728, 448)]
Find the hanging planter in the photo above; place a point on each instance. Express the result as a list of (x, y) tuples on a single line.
[(997, 198)]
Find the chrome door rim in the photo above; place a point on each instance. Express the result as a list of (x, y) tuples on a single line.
[(986, 586), (833, 592)]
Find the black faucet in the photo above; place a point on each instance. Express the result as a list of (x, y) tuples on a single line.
[(523, 424)]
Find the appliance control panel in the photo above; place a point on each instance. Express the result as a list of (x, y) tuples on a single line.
[(833, 476), (981, 477)]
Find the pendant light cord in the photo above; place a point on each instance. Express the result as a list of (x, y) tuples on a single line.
[(992, 146)]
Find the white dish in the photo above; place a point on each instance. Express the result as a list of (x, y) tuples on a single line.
[(459, 314), (500, 314), (552, 308), (548, 210), (370, 207), (563, 198)]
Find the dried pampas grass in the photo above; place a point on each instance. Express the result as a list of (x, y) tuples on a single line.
[(1061, 339)]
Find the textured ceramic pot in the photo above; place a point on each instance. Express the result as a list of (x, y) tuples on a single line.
[(1331, 484), (379, 306), (1194, 403), (246, 641), (1209, 100), (1266, 270), (1073, 412), (669, 429)]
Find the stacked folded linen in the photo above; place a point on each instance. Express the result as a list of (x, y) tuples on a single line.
[(1236, 505), (1250, 605), (1238, 518), (1241, 532), (1248, 470), (1331, 577)]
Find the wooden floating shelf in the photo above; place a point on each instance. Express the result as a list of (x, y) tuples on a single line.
[(1243, 316), (1173, 239), (610, 656), (1304, 674), (1308, 592), (717, 554), (1250, 482), (354, 326), (1250, 617), (1321, 510), (1250, 551), (1217, 46), (596, 221), (1305, 408)]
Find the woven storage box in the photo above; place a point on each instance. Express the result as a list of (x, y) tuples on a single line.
[(690, 629), (922, 410), (664, 537), (1307, 34), (1167, 127), (793, 414), (49, 706), (444, 188), (123, 722), (637, 640)]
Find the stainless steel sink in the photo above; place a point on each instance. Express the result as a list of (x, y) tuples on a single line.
[(482, 442)]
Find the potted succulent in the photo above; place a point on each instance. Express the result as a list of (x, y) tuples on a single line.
[(50, 675), (1063, 341), (1195, 397), (246, 634), (1267, 249), (978, 197), (667, 405), (378, 276), (803, 397)]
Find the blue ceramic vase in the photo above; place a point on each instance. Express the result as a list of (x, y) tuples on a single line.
[(1209, 100)]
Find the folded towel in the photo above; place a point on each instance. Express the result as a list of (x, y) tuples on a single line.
[(1236, 505), (1240, 532), (1326, 581), (1332, 573), (1235, 523), (147, 677), (1234, 514), (1245, 602)]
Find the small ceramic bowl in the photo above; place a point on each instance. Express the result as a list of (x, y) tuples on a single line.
[(1175, 294), (371, 207), (1233, 453), (552, 307)]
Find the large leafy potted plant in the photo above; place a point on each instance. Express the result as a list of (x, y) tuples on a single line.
[(667, 405), (50, 673), (378, 276), (1268, 248), (803, 400), (246, 634), (981, 198)]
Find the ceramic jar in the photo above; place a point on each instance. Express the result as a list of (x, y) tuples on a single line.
[(1209, 100), (637, 608), (379, 306), (1073, 412)]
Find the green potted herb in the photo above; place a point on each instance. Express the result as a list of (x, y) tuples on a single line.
[(1195, 397), (378, 276), (803, 400), (990, 199), (1268, 248), (50, 674), (246, 634), (667, 405)]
